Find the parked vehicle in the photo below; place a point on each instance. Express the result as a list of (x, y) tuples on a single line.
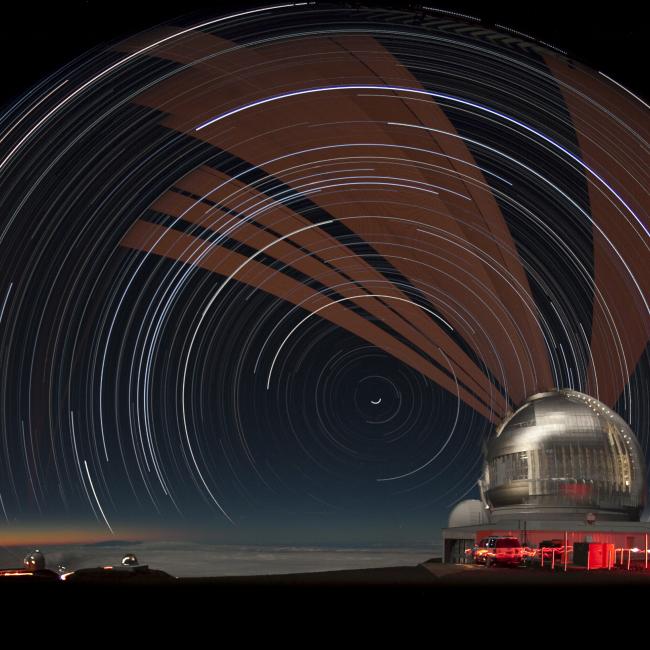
[(499, 551), (478, 551)]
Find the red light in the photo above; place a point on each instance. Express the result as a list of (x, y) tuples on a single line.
[(599, 555), (18, 572), (578, 490)]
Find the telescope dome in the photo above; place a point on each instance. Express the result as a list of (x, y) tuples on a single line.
[(129, 560), (470, 512), (34, 561), (562, 455)]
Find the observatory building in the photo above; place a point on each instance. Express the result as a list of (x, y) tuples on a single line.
[(563, 462)]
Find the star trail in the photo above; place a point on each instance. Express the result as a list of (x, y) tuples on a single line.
[(287, 267)]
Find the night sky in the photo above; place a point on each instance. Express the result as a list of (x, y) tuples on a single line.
[(274, 278)]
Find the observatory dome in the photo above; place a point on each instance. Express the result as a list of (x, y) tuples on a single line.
[(470, 512), (561, 455), (34, 561)]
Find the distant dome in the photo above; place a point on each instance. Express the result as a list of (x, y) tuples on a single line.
[(34, 561), (471, 512), (563, 454), (130, 560)]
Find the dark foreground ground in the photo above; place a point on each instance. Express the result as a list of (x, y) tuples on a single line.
[(431, 575), (386, 595)]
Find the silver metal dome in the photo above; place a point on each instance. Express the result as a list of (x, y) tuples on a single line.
[(561, 455), (34, 561), (130, 560)]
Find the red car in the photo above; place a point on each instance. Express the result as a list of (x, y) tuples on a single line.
[(478, 551), (499, 551)]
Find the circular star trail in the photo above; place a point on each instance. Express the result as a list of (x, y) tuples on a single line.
[(299, 260)]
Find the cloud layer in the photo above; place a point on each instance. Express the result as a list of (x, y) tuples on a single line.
[(187, 559)]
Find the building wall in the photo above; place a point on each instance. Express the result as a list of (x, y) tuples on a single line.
[(620, 539), (455, 539)]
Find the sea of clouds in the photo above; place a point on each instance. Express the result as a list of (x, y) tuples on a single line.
[(191, 559)]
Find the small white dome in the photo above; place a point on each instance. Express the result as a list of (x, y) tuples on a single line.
[(471, 512)]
